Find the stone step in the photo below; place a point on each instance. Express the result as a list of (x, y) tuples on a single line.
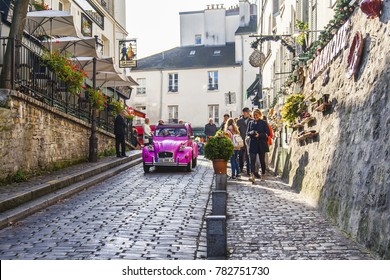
[(20, 205)]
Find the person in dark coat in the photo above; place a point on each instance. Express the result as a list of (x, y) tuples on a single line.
[(258, 132), (225, 119), (210, 129), (120, 131), (242, 124)]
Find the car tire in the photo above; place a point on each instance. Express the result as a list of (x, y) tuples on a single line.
[(194, 162), (189, 165), (146, 168)]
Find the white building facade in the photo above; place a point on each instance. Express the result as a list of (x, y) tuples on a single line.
[(278, 17), (207, 76)]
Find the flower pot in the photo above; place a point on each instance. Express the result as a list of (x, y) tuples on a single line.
[(220, 166)]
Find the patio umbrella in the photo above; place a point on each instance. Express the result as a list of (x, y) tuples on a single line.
[(105, 64), (74, 45), (112, 79), (54, 23)]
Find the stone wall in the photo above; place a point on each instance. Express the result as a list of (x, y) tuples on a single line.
[(34, 136), (345, 171)]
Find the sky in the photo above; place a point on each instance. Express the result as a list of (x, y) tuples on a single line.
[(156, 23)]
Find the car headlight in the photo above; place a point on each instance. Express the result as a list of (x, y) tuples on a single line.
[(150, 148), (182, 148)]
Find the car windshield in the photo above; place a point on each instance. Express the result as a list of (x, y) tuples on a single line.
[(171, 132)]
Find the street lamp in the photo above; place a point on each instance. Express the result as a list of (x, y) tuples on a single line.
[(283, 38), (93, 140)]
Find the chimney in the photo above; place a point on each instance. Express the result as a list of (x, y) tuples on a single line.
[(244, 10)]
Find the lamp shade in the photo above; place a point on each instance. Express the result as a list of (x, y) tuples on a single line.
[(257, 58)]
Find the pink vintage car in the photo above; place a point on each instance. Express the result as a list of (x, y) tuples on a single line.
[(172, 145)]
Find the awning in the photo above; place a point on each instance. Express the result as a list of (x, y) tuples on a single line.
[(105, 64), (139, 113), (73, 45), (253, 88), (133, 82)]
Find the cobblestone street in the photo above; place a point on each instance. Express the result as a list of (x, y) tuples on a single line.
[(130, 216), (160, 215)]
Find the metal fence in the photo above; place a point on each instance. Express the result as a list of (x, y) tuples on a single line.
[(31, 77)]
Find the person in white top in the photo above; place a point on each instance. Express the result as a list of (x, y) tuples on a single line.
[(147, 131), (231, 129)]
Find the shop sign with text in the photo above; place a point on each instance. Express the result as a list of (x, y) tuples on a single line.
[(330, 52)]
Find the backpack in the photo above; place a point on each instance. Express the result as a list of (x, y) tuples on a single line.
[(237, 141)]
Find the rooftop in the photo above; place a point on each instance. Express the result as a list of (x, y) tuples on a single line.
[(190, 57)]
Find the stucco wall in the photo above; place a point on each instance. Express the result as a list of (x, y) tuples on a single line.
[(34, 136), (346, 170), (192, 97)]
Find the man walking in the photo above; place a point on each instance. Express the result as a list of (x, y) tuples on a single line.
[(120, 131), (242, 124)]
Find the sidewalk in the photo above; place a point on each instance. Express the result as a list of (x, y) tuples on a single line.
[(265, 221), (269, 221), (18, 200)]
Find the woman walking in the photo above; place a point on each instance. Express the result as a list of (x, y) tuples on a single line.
[(258, 132), (231, 130)]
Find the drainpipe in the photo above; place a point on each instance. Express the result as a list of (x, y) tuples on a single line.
[(256, 101), (161, 93), (242, 73)]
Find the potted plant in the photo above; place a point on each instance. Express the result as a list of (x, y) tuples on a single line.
[(116, 107), (97, 99), (219, 149), (40, 5), (294, 106)]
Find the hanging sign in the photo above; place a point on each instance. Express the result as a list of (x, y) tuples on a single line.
[(86, 26), (372, 8), (330, 52), (128, 53)]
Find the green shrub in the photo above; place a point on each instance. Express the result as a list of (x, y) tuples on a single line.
[(107, 153), (20, 176), (17, 177), (219, 147)]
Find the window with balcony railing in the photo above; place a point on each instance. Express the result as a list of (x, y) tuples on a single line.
[(92, 11), (141, 89), (212, 80), (173, 114)]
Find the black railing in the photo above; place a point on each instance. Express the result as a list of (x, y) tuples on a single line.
[(33, 78)]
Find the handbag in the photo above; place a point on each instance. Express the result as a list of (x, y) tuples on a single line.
[(237, 141)]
